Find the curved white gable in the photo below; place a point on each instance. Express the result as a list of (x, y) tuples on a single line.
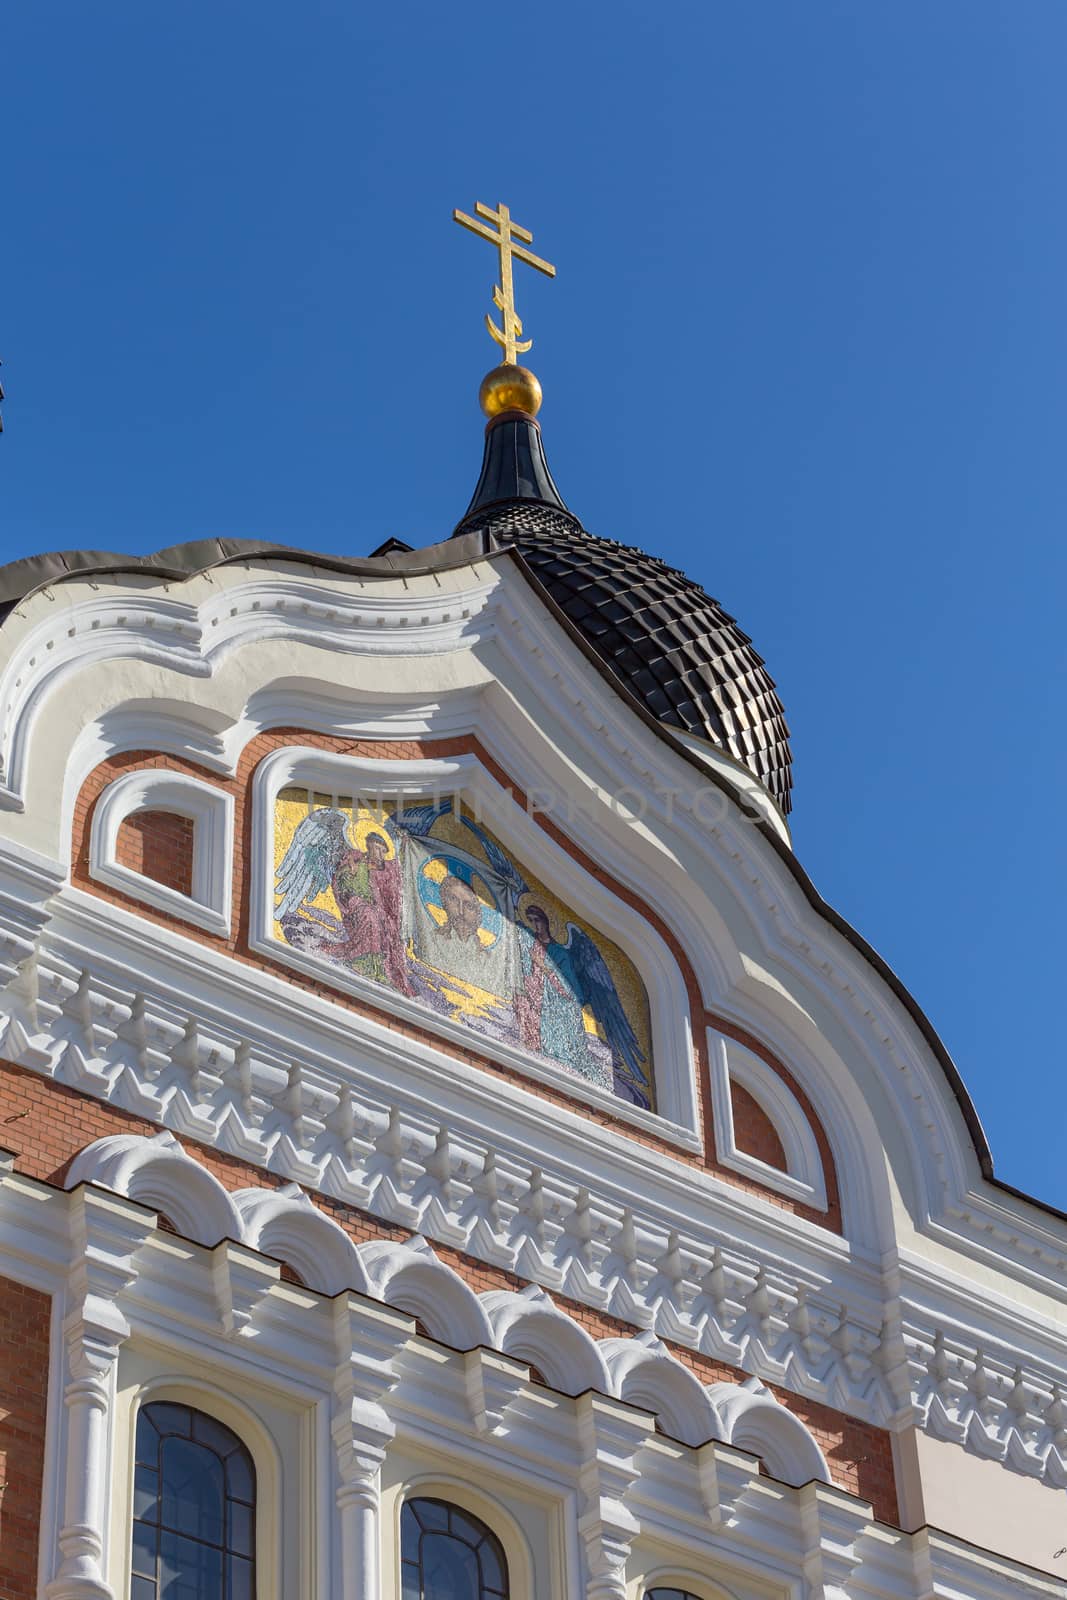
[(936, 1264)]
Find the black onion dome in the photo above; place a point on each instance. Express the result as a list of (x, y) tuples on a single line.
[(673, 646)]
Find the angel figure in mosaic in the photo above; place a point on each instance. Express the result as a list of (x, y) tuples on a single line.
[(562, 979), (366, 886)]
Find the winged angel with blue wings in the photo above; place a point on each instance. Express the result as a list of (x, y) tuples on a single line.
[(543, 992), (562, 979)]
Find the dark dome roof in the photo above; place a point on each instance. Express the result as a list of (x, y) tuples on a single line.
[(673, 646)]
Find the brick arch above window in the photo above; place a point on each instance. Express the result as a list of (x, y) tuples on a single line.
[(763, 1130), (166, 838)]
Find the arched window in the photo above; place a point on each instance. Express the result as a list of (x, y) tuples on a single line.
[(194, 1507), (669, 1594), (447, 1554)]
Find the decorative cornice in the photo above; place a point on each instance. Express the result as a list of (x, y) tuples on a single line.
[(361, 1362), (815, 1330), (800, 1318), (158, 1049)]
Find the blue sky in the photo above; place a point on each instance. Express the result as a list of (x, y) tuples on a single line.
[(808, 341)]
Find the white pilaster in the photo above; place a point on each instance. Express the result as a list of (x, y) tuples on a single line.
[(105, 1233), (726, 1475), (611, 1436), (368, 1338), (832, 1524)]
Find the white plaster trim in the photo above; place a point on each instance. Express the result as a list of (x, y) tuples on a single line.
[(687, 1508), (526, 1580), (211, 811), (546, 678), (755, 1420), (803, 1180), (449, 1150), (677, 1114), (193, 629), (233, 1409), (156, 1172), (525, 1324), (851, 1035), (192, 638)]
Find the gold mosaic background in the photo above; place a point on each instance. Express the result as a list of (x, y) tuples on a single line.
[(427, 901)]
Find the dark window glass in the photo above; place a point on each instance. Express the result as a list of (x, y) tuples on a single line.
[(194, 1508), (669, 1594), (447, 1554)]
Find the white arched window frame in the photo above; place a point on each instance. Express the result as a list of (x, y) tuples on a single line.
[(504, 1521), (273, 1524), (211, 812), (803, 1179), (678, 1580), (677, 1104)]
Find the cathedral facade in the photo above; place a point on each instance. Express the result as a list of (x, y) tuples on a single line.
[(450, 1151)]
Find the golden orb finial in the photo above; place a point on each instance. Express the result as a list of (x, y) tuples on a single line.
[(510, 388)]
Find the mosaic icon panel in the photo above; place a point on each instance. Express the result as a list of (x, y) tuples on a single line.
[(423, 899)]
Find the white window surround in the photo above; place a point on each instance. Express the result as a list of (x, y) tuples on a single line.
[(271, 1439), (675, 1577), (209, 809), (677, 1115), (803, 1179), (508, 1523)]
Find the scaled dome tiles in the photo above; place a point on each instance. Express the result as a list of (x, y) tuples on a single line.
[(423, 899), (673, 646)]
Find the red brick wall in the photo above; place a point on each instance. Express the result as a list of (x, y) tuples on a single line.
[(399, 750), (24, 1320), (45, 1124), (158, 845), (832, 1216), (754, 1132)]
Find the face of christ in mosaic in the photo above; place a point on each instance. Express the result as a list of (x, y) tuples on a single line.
[(462, 908)]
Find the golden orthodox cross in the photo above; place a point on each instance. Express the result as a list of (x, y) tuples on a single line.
[(510, 336)]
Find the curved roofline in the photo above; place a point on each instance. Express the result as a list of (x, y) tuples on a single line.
[(21, 579)]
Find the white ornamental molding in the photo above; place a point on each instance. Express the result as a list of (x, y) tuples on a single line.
[(821, 959), (750, 1411), (987, 1400), (368, 1342), (805, 1331), (524, 1326), (646, 1374), (346, 776), (612, 1437), (194, 629), (832, 1526), (210, 810), (373, 1382), (192, 638), (802, 1327), (992, 1408), (803, 1179), (106, 1236)]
